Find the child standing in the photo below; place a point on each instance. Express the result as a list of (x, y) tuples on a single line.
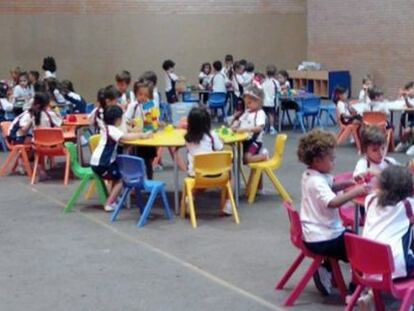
[(238, 87), (323, 232), (270, 88), (218, 80), (171, 80), (204, 76), (407, 120), (103, 160), (122, 82), (363, 94), (49, 67)]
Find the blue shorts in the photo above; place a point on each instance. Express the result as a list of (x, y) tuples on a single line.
[(110, 172)]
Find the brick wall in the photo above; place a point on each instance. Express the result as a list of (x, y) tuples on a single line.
[(369, 36)]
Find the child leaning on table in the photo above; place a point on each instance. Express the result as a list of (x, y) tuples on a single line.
[(103, 160), (407, 120), (323, 232)]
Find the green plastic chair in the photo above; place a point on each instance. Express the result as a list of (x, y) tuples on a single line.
[(85, 174)]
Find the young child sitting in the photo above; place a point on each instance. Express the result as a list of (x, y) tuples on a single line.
[(270, 88), (22, 94), (363, 94), (376, 96), (347, 114), (77, 101), (151, 78), (122, 82), (407, 121), (103, 160), (284, 84), (323, 232), (5, 104), (374, 148)]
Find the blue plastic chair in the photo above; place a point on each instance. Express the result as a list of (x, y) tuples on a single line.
[(89, 107), (132, 170), (9, 116), (309, 107), (217, 100), (329, 110), (188, 97)]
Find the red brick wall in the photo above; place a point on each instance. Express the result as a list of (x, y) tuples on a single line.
[(364, 36)]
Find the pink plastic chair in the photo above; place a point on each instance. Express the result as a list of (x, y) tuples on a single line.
[(296, 239), (365, 266)]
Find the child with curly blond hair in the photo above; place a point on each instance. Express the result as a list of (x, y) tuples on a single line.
[(323, 232)]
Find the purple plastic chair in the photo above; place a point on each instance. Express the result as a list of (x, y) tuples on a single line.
[(132, 170)]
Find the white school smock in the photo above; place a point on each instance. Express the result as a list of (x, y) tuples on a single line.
[(250, 119), (363, 165), (105, 152), (363, 97), (168, 77), (218, 82), (48, 118), (270, 86)]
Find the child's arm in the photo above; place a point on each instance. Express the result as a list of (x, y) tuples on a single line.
[(339, 186), (342, 198), (256, 129)]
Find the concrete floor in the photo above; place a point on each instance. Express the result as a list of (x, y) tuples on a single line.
[(79, 261)]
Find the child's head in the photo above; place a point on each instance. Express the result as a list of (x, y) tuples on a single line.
[(316, 149), (40, 103), (340, 94), (198, 124), (111, 95), (249, 67), (206, 68), (409, 89), (367, 82), (253, 97), (375, 93), (33, 76), (143, 91), (15, 74), (122, 80), (39, 87), (271, 71), (100, 98), (243, 62), (395, 184), (259, 77), (238, 68), (228, 60), (282, 76), (217, 65), (67, 86), (168, 65), (4, 89), (373, 143), (23, 80), (150, 77), (49, 64), (113, 115)]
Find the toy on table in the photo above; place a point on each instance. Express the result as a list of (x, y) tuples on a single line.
[(169, 128), (151, 115), (225, 131)]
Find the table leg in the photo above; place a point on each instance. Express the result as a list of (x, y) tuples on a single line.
[(392, 118), (176, 207), (356, 218), (236, 173), (79, 145)]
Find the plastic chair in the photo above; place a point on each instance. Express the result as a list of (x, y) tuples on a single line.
[(189, 98), (310, 107), (89, 107), (85, 174), (93, 143), (347, 129), (379, 119), (296, 238), (133, 177), (18, 153), (329, 110), (49, 142), (267, 167), (375, 272), (217, 100), (211, 170)]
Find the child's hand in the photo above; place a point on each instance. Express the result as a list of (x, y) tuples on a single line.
[(161, 124)]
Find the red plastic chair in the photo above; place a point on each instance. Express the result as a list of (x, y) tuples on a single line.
[(296, 239), (49, 142), (17, 153), (379, 119), (376, 272)]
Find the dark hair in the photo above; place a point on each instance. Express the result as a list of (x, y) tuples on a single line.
[(149, 76), (52, 84), (111, 93), (271, 70), (123, 76), (217, 65), (338, 91), (243, 62), (39, 86), (168, 64), (35, 74), (250, 67), (366, 78), (49, 64), (409, 85), (111, 114), (205, 65), (24, 74), (40, 102), (100, 97), (237, 65), (395, 184), (284, 73), (372, 135), (139, 85), (374, 92), (67, 86), (199, 123), (228, 58), (4, 88), (314, 144)]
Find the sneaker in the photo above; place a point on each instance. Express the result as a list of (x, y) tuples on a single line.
[(272, 131), (401, 147), (366, 302), (265, 152), (323, 281), (110, 207), (227, 210), (410, 151)]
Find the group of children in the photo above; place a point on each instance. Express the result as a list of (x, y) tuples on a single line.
[(388, 187)]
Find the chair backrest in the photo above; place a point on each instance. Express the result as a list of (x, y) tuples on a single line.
[(216, 164), (373, 271), (344, 176), (89, 107), (93, 142), (48, 137), (280, 142), (311, 105), (132, 170), (74, 164), (296, 235), (217, 99), (374, 117)]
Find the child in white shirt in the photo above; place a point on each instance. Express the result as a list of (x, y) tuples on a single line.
[(204, 76), (151, 78), (284, 83), (122, 82), (238, 87), (248, 74), (407, 120), (171, 80), (218, 80), (22, 94), (347, 114), (377, 103), (49, 67), (363, 94), (270, 88), (5, 104)]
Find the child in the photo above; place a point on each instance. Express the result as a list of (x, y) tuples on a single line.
[(238, 87), (14, 77), (33, 79), (77, 101), (407, 128), (49, 67), (55, 91), (170, 81), (248, 74), (323, 232), (228, 66), (95, 118), (283, 78), (347, 114), (5, 104), (103, 160), (376, 96), (22, 94), (151, 78), (374, 148), (363, 94), (270, 88), (204, 76), (252, 121), (123, 80), (218, 80)]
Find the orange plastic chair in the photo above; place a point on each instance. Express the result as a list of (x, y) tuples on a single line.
[(49, 142), (17, 153), (69, 132), (379, 119), (212, 170), (347, 129), (256, 170)]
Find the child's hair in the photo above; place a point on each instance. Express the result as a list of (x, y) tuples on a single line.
[(143, 85), (284, 74), (314, 144), (409, 85), (39, 87), (49, 64), (67, 86), (199, 123), (111, 114), (111, 93), (149, 76), (255, 91), (217, 65), (100, 97), (4, 88), (228, 58), (395, 184), (243, 62), (250, 67), (16, 70), (35, 74), (123, 76), (168, 64), (372, 135), (374, 92), (204, 65), (40, 102), (338, 91), (366, 78), (25, 75), (271, 71)]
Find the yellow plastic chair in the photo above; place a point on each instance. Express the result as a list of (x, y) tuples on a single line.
[(267, 167), (93, 143), (211, 170)]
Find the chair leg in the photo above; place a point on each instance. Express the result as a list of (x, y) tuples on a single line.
[(407, 301), (292, 268), (75, 195), (290, 299), (26, 162), (339, 280), (67, 170), (166, 206), (121, 202), (254, 185), (243, 175), (36, 164), (379, 304), (7, 162), (249, 182), (354, 298), (182, 205), (278, 185), (143, 218), (191, 206), (223, 194), (91, 189), (233, 204), (101, 189)]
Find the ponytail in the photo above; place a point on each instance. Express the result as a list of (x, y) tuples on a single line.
[(40, 102)]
